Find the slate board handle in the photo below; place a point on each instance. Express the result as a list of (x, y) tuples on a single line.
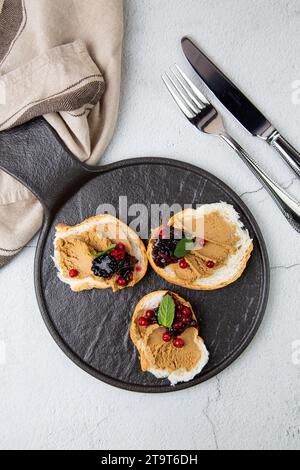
[(35, 155)]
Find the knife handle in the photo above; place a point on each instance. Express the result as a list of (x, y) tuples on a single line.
[(288, 153), (287, 204)]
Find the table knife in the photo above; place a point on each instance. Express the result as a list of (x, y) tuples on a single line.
[(239, 105)]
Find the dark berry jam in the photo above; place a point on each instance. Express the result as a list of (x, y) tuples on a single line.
[(126, 268), (164, 248)]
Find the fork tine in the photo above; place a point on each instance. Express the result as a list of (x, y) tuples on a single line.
[(185, 98), (182, 105), (189, 91), (193, 87)]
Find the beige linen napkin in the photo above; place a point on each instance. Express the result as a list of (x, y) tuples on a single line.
[(60, 59)]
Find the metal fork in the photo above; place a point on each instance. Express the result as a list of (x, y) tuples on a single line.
[(202, 114)]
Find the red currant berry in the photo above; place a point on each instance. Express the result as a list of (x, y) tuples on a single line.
[(183, 264), (202, 242), (178, 343), (163, 234), (210, 264), (187, 312), (115, 253), (179, 315), (167, 337), (73, 273), (177, 325), (122, 282), (120, 256), (120, 247), (180, 307), (150, 314), (186, 320), (143, 322)]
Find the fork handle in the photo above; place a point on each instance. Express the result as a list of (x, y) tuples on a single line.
[(287, 151), (287, 204)]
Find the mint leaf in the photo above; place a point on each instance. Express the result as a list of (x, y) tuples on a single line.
[(183, 247), (166, 313), (97, 255)]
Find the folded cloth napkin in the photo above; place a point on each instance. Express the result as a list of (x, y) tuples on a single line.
[(60, 59)]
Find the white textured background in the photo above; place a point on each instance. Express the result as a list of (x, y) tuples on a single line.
[(46, 401)]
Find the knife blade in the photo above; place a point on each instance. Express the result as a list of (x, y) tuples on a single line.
[(238, 104)]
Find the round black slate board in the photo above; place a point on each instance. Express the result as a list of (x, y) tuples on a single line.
[(92, 327)]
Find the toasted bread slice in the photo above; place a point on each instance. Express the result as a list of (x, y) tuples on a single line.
[(106, 230), (157, 360), (220, 276)]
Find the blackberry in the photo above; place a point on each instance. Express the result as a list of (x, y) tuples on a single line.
[(105, 266)]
